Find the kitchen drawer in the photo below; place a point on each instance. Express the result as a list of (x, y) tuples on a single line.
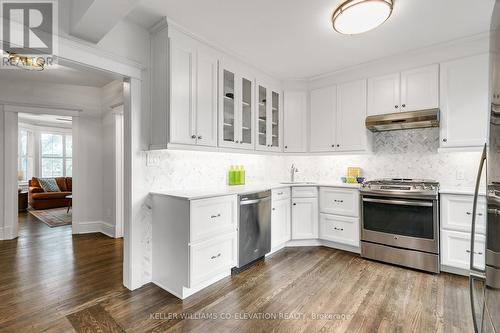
[(339, 229), (212, 217), (455, 249), (211, 258), (304, 192), (339, 201), (456, 213), (281, 193)]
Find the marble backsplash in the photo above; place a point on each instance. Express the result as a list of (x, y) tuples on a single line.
[(407, 154)]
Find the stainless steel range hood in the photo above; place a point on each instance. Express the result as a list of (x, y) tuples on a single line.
[(403, 120)]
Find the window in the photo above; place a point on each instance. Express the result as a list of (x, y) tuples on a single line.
[(25, 155), (56, 154)]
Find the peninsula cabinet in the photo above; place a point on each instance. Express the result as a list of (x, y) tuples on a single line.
[(464, 102), (411, 90), (194, 242), (193, 92), (268, 119), (338, 116), (236, 109), (295, 122)]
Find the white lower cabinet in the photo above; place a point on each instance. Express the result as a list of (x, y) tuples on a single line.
[(339, 229), (305, 218), (455, 249), (280, 222), (456, 224), (194, 242)]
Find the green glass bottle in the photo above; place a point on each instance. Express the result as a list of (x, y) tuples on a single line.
[(236, 175), (231, 174), (242, 175)]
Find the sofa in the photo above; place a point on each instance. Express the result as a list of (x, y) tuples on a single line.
[(39, 199)]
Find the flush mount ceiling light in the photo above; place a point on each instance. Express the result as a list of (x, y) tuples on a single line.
[(358, 16)]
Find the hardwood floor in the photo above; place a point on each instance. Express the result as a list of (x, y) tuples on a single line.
[(52, 281)]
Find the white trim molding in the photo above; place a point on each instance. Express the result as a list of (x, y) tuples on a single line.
[(89, 227)]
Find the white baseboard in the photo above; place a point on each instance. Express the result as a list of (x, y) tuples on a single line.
[(88, 227), (6, 233)]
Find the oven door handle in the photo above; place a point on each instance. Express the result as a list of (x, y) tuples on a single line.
[(399, 202)]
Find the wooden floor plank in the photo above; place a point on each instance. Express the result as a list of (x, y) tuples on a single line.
[(53, 281)]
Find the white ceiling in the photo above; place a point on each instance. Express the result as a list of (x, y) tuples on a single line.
[(294, 38), (62, 73), (45, 119)]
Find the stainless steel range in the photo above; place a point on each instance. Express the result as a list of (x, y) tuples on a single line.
[(400, 222)]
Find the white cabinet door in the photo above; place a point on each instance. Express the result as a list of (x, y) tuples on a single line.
[(464, 105), (323, 119), (206, 99), (304, 218), (456, 213), (420, 88), (383, 94), (295, 120), (455, 249), (339, 229), (182, 88), (280, 222), (351, 114)]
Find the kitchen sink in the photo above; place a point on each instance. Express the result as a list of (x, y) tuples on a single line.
[(298, 183)]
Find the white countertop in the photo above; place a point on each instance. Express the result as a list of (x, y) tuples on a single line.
[(460, 190), (194, 194)]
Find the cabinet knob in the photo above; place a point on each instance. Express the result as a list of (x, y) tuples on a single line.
[(236, 141), (294, 204), (286, 147), (274, 208), (445, 140), (193, 136), (338, 145), (333, 146), (396, 106), (199, 137), (404, 105)]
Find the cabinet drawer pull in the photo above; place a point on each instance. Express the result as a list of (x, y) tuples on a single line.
[(478, 214), (468, 213), (478, 253), (280, 193), (340, 201), (215, 257), (339, 229), (214, 216)]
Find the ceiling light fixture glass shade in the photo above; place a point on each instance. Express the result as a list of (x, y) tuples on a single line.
[(358, 16)]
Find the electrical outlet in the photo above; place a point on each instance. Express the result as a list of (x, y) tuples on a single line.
[(152, 159), (460, 174)]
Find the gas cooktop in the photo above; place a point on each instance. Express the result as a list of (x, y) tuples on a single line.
[(401, 186)]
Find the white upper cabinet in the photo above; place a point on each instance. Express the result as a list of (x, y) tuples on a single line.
[(383, 94), (269, 116), (352, 134), (295, 121), (464, 102), (411, 90), (236, 108), (420, 88), (193, 93), (323, 119)]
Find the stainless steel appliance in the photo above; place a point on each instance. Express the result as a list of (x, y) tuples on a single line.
[(400, 222), (254, 227), (485, 281), (403, 120)]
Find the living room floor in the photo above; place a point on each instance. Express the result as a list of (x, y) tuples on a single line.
[(53, 281)]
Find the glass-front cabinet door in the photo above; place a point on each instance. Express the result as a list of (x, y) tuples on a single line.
[(236, 110), (268, 119), (228, 108)]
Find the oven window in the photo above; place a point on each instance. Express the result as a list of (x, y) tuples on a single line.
[(399, 219)]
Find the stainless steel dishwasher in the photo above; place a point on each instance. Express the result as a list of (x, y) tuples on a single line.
[(254, 227)]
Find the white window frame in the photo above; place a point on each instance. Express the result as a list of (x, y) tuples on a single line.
[(30, 141), (64, 157)]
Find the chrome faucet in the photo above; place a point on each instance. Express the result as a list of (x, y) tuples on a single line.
[(293, 170)]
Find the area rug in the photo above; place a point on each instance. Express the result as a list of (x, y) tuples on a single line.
[(55, 217)]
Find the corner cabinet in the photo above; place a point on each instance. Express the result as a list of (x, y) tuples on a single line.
[(193, 97), (338, 118), (411, 90), (236, 109), (268, 119), (464, 102), (295, 121)]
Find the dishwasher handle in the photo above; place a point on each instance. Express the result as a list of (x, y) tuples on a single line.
[(255, 201)]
